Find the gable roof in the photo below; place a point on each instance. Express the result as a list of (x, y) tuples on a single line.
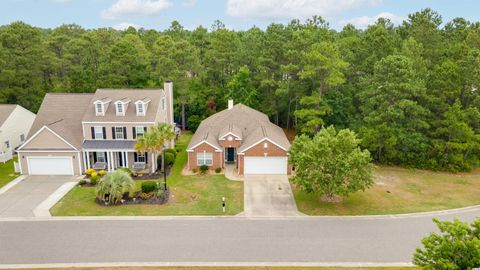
[(154, 97), (5, 111), (251, 125), (62, 113)]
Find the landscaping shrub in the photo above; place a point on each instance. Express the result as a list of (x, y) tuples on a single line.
[(146, 196), (101, 173), (169, 158), (82, 182), (218, 170), (127, 170), (204, 169), (113, 186), (89, 172), (195, 170), (171, 150), (149, 186), (93, 174), (94, 180), (161, 194)]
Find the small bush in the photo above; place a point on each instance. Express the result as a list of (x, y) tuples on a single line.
[(195, 170), (146, 196), (101, 173), (169, 158), (82, 182), (204, 169), (161, 194), (93, 174), (94, 180), (149, 186), (171, 150), (218, 170), (90, 171), (127, 170)]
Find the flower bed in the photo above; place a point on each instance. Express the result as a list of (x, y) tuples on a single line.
[(136, 198)]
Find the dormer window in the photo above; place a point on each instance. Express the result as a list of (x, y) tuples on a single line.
[(120, 109), (99, 109), (140, 108)]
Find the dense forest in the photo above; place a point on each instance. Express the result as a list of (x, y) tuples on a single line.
[(411, 91)]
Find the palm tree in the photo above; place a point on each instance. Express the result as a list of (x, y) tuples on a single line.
[(112, 187), (153, 141)]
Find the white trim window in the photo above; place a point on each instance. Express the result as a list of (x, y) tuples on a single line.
[(139, 132), (120, 107), (204, 158), (140, 108), (99, 109), (119, 133), (141, 157), (98, 133), (101, 157), (163, 104)]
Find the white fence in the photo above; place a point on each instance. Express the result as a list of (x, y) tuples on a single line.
[(5, 156)]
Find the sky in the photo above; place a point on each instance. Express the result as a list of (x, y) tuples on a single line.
[(235, 14)]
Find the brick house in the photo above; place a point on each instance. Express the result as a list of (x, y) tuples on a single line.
[(242, 137)]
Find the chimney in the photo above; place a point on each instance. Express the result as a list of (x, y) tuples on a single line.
[(168, 88), (230, 104)]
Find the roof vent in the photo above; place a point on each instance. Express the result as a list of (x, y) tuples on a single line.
[(230, 104)]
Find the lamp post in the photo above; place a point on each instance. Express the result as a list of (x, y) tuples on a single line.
[(164, 171)]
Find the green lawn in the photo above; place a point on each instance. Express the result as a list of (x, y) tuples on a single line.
[(7, 172), (400, 190), (250, 268), (190, 195)]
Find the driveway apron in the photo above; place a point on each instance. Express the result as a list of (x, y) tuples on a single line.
[(23, 198), (268, 196)]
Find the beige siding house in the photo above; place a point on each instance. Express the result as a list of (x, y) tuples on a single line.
[(15, 123), (240, 137), (74, 132)]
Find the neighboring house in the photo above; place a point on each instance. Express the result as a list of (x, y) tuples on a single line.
[(243, 137), (74, 132), (15, 123)]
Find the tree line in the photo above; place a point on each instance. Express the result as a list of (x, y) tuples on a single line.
[(409, 91)]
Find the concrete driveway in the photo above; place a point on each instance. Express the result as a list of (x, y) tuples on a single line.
[(268, 196), (23, 198)]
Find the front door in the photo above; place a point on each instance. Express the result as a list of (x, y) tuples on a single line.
[(230, 155)]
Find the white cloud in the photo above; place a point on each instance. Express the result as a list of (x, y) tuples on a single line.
[(60, 1), (129, 8), (292, 9), (364, 21), (189, 3), (125, 25)]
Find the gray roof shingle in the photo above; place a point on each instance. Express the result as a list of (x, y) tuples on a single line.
[(5, 111)]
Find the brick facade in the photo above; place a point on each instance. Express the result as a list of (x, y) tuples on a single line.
[(204, 147)]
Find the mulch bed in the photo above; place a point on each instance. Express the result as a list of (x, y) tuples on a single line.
[(137, 200)]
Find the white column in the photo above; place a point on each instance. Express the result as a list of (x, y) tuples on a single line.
[(84, 161), (126, 159), (109, 168), (153, 163), (88, 159), (112, 158)]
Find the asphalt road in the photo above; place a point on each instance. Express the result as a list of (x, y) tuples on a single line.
[(217, 240)]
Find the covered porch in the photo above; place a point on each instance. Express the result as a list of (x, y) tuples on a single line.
[(112, 155)]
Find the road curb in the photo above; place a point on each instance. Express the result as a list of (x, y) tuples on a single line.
[(204, 264)]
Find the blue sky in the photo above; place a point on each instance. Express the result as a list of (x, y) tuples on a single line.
[(236, 14)]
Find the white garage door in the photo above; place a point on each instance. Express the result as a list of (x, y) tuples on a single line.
[(265, 165), (50, 165)]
